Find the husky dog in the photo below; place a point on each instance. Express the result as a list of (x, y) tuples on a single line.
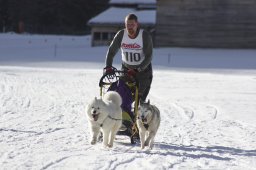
[(148, 122), (105, 114)]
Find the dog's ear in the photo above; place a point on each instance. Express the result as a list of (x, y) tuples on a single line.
[(148, 101)]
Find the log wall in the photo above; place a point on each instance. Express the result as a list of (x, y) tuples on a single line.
[(206, 23)]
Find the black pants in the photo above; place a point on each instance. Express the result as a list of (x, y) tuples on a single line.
[(144, 79)]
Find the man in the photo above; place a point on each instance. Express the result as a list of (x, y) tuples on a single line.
[(136, 48)]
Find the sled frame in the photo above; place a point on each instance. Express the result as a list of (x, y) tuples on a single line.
[(107, 80)]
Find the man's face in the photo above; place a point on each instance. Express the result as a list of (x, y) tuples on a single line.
[(131, 27)]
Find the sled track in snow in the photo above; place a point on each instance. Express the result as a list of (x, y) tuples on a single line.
[(186, 111)]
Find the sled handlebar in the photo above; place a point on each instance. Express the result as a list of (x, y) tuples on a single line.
[(108, 78)]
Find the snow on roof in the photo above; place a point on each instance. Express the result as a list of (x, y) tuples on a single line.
[(115, 15), (132, 2)]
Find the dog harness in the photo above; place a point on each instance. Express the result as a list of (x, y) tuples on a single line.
[(110, 118)]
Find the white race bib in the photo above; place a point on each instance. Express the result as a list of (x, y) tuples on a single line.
[(132, 49)]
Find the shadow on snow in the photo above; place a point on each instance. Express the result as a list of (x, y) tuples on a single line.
[(196, 152)]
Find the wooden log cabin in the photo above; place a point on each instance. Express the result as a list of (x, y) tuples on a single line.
[(105, 25), (206, 23)]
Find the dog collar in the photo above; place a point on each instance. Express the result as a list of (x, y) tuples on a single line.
[(146, 126), (113, 118)]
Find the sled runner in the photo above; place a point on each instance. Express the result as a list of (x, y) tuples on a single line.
[(128, 90)]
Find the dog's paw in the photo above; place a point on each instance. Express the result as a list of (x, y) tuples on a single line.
[(142, 145), (93, 142), (110, 146), (151, 145), (105, 146)]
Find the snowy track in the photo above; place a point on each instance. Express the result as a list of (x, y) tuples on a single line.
[(207, 122)]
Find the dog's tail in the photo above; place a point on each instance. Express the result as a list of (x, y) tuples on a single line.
[(114, 97)]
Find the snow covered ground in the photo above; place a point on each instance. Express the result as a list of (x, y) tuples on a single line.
[(206, 97)]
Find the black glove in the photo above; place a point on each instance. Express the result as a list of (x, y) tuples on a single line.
[(108, 70)]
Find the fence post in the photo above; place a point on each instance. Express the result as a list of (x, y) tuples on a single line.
[(55, 50)]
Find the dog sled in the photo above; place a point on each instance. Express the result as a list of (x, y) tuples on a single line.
[(127, 87)]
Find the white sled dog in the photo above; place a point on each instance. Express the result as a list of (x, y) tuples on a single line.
[(148, 122), (105, 114)]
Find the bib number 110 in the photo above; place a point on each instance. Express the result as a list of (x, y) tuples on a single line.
[(132, 57)]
